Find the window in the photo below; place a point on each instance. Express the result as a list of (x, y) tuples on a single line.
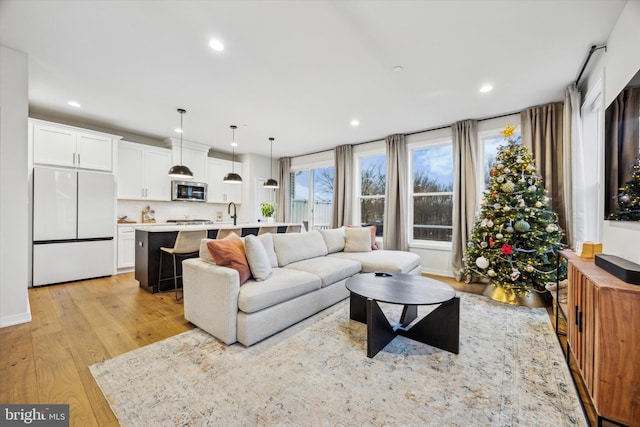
[(371, 192), (432, 191), (490, 142), (315, 185)]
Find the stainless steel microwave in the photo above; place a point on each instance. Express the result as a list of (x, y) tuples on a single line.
[(189, 191)]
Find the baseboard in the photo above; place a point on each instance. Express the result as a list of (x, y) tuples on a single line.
[(443, 273), (15, 319)]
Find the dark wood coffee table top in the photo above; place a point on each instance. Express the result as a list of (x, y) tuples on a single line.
[(397, 288)]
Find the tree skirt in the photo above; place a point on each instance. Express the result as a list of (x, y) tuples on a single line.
[(510, 372)]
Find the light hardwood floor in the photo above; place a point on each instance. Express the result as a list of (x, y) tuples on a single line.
[(78, 324)]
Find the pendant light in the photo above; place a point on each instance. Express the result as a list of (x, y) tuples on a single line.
[(232, 177), (180, 171), (271, 183)]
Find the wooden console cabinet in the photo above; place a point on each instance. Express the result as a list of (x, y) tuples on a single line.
[(603, 332)]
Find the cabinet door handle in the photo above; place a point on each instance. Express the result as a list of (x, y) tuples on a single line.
[(580, 323), (78, 159), (577, 315)]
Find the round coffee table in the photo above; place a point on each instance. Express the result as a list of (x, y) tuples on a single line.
[(440, 328)]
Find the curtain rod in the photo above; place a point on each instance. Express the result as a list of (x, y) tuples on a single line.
[(413, 133), (588, 58)]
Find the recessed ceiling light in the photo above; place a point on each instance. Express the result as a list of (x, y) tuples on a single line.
[(397, 68), (486, 88), (74, 104), (216, 45), (178, 130), (355, 122)]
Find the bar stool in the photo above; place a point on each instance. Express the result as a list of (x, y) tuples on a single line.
[(224, 232), (273, 229), (187, 244)]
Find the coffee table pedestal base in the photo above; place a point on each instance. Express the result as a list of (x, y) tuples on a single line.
[(440, 328)]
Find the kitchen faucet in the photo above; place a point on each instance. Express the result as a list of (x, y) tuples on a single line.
[(235, 214)]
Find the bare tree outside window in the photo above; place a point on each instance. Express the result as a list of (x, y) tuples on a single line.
[(373, 181)]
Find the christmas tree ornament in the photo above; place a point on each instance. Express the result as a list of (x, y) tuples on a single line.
[(509, 228), (522, 226), (515, 274), (531, 168), (484, 244), (491, 272), (529, 268), (499, 236), (532, 188), (482, 262), (497, 206), (507, 170), (500, 179), (506, 208), (506, 249), (519, 159), (538, 204), (508, 187), (550, 228), (489, 223), (499, 166)]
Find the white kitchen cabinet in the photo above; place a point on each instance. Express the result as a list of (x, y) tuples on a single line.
[(194, 156), (218, 190), (126, 246), (60, 145), (143, 172)]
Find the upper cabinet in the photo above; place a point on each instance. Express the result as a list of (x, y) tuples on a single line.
[(219, 191), (61, 145), (192, 155), (143, 172)]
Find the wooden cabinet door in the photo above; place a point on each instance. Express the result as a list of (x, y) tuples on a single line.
[(54, 145)]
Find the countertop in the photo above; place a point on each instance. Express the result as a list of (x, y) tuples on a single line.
[(163, 226)]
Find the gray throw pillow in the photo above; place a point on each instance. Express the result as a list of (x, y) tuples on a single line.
[(357, 239), (257, 258), (267, 241)]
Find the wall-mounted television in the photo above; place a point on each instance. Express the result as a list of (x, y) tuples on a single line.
[(622, 154)]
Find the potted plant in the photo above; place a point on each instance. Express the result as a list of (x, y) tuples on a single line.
[(268, 210)]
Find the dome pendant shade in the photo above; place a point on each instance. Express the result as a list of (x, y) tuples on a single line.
[(232, 178), (180, 172), (271, 183)]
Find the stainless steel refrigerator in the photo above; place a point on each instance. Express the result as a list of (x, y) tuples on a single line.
[(73, 225)]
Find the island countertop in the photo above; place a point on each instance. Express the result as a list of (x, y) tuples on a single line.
[(162, 227)]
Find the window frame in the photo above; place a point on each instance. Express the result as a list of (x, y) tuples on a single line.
[(482, 137), (357, 181), (310, 167), (411, 147)]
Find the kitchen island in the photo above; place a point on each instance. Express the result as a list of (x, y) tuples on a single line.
[(149, 238)]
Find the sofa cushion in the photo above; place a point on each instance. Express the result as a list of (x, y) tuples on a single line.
[(292, 247), (334, 239), (267, 242), (372, 230), (282, 285), (383, 260), (330, 270), (229, 252), (357, 239), (257, 258)]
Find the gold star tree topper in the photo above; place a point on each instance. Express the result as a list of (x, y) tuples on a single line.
[(508, 130)]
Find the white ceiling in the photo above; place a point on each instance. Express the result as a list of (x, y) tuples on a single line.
[(298, 71)]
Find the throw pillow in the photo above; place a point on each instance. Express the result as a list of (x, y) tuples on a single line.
[(229, 252), (267, 242), (374, 246), (257, 258), (357, 239), (205, 254), (334, 239)]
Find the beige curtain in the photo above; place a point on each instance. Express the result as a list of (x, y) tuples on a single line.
[(284, 192), (465, 147), (621, 143), (542, 134), (342, 185), (395, 233)]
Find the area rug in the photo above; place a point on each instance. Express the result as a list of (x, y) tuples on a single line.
[(510, 372)]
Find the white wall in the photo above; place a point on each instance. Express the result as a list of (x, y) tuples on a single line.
[(616, 67), (14, 179)]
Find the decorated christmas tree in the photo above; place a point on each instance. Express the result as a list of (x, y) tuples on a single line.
[(628, 199), (515, 234)]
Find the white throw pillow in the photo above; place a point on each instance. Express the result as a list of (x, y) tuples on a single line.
[(357, 239), (334, 239), (257, 258), (205, 255), (267, 241)]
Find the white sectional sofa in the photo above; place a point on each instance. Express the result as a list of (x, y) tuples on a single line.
[(299, 275)]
